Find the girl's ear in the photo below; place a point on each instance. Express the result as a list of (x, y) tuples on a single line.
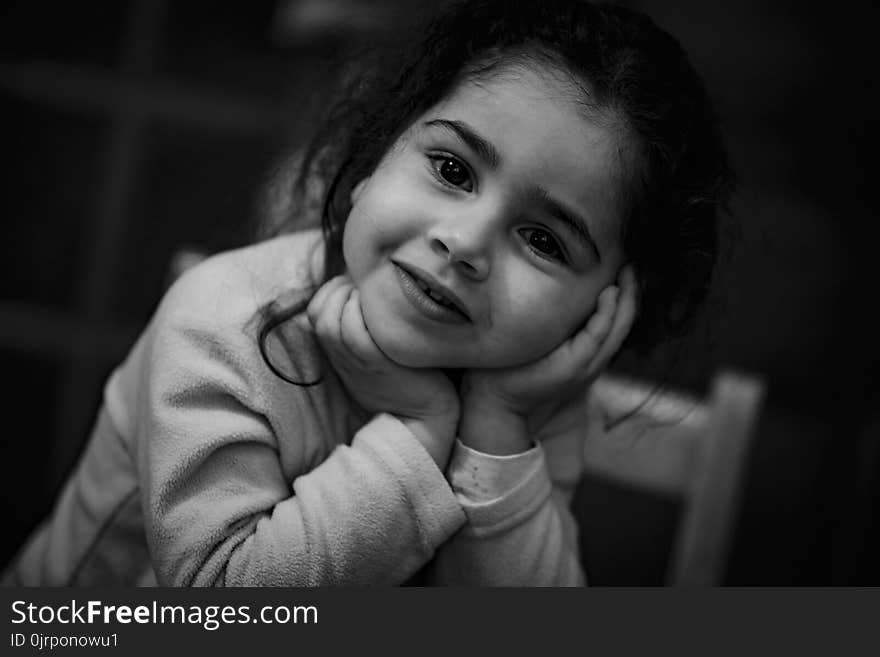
[(358, 190)]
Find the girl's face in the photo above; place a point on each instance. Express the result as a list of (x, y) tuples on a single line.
[(488, 230)]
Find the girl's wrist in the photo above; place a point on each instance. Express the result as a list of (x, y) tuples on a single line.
[(493, 428), (435, 433)]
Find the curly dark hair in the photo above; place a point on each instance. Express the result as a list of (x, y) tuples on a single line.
[(678, 181)]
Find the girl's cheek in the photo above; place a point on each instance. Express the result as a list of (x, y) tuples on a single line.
[(549, 317)]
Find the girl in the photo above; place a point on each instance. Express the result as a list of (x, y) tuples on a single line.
[(493, 210)]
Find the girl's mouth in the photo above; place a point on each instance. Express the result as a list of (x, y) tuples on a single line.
[(429, 299)]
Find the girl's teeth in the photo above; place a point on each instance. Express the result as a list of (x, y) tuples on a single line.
[(439, 298)]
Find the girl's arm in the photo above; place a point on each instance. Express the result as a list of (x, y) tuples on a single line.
[(242, 482), (520, 530)]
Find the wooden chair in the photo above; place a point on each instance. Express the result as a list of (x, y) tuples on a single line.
[(671, 443)]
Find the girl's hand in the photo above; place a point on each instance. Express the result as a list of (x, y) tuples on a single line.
[(503, 409), (425, 400)]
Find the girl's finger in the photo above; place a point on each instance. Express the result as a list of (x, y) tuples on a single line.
[(627, 307), (354, 333), (328, 323), (320, 297), (600, 323), (584, 345)]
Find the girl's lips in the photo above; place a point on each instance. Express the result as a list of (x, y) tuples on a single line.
[(422, 302)]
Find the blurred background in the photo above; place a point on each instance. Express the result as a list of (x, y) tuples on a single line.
[(132, 129)]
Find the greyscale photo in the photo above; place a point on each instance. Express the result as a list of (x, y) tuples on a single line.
[(461, 293)]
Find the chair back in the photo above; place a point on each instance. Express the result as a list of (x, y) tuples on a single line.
[(676, 444)]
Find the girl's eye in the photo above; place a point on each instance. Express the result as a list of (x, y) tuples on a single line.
[(544, 243), (453, 172)]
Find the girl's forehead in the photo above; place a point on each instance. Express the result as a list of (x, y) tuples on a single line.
[(519, 89), (534, 105)]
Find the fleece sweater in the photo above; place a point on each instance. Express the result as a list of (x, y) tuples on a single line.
[(205, 468)]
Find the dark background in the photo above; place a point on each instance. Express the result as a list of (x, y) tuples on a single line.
[(131, 129)]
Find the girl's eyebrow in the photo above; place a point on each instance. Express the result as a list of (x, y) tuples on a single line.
[(567, 216), (489, 154)]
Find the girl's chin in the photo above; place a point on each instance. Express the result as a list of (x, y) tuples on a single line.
[(410, 353), (409, 348), (410, 356)]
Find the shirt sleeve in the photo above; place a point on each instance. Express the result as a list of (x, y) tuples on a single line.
[(220, 507), (477, 477), (520, 530)]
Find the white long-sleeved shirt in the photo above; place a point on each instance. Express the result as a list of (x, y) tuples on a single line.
[(204, 468)]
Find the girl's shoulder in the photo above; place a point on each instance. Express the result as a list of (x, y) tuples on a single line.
[(232, 285), (202, 338)]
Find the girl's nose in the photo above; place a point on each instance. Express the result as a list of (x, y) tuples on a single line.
[(465, 246)]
